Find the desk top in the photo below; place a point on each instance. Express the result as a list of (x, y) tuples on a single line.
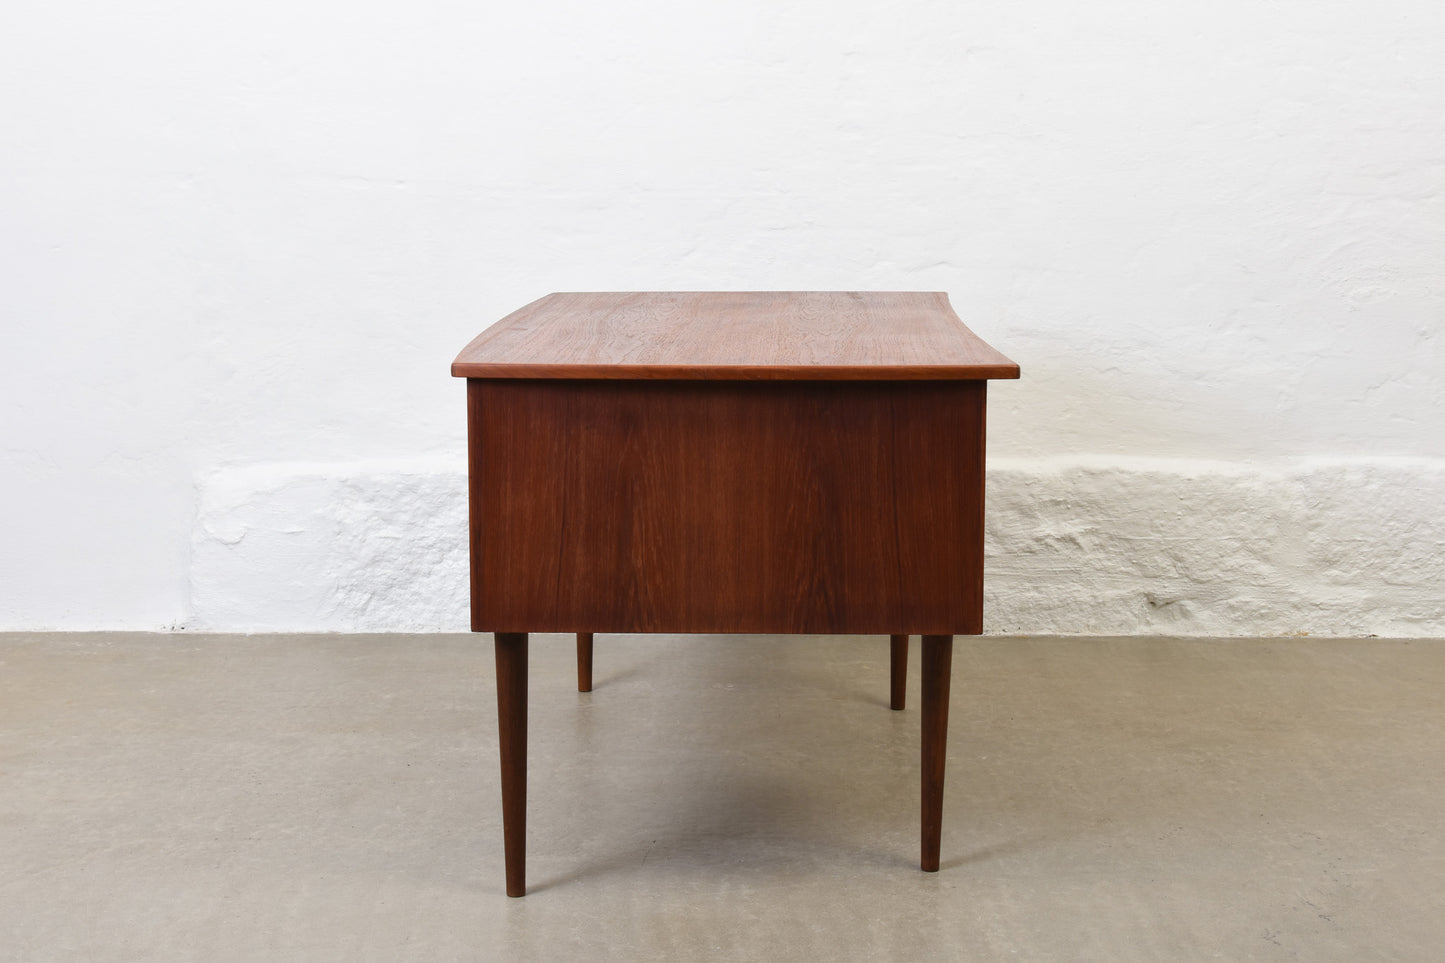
[(743, 336)]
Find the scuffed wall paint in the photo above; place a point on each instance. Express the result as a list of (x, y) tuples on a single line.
[(1074, 546)]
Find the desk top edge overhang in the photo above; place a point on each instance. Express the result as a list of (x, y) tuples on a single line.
[(735, 336)]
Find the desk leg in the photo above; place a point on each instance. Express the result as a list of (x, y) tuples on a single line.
[(511, 650), (897, 670), (584, 661), (937, 675)]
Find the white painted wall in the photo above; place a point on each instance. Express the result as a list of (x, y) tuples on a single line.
[(240, 244)]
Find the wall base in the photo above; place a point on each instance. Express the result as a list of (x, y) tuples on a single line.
[(1075, 546)]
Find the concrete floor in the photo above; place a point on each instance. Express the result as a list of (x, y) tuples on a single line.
[(179, 797)]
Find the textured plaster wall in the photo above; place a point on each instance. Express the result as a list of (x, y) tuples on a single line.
[(1119, 546), (239, 245)]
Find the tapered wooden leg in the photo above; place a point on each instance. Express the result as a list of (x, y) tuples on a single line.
[(512, 727), (937, 676), (584, 661), (897, 671)]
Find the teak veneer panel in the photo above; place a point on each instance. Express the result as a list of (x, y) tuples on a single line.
[(772, 462), (697, 506), (757, 335)]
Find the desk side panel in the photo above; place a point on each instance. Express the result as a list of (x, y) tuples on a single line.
[(726, 507)]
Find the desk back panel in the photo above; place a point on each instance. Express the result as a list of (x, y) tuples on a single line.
[(712, 506)]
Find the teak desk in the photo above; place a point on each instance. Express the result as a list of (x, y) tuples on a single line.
[(727, 462)]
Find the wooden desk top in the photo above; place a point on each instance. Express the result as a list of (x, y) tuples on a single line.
[(742, 336)]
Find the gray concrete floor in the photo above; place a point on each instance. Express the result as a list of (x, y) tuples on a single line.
[(180, 797)]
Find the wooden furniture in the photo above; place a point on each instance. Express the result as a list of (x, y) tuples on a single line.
[(727, 462)]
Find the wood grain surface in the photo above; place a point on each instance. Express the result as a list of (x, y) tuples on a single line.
[(759, 335), (700, 506), (511, 659), (937, 675)]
